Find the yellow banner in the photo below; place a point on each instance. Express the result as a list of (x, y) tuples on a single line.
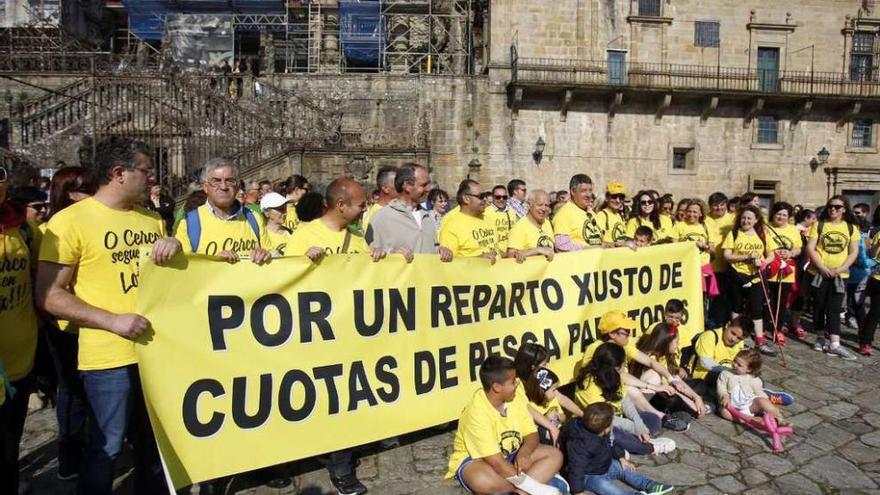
[(248, 366)]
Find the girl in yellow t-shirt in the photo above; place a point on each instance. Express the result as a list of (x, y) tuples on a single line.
[(745, 248), (600, 381), (832, 246), (646, 213), (787, 239), (530, 358), (541, 391)]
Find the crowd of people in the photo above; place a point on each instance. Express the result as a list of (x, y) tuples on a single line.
[(69, 287)]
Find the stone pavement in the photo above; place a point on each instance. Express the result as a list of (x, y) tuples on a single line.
[(836, 448)]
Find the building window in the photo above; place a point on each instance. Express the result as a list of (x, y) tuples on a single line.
[(707, 33), (682, 158), (861, 58), (650, 8), (768, 130), (862, 130)]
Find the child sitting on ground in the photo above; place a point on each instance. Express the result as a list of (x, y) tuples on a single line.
[(541, 391), (741, 388), (594, 462)]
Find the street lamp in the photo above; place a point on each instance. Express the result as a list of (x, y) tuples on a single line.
[(474, 167), (538, 154), (820, 159)]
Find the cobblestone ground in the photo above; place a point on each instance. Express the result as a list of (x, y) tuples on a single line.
[(836, 449)]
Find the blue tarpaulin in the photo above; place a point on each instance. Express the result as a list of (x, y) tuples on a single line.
[(146, 17), (361, 32)]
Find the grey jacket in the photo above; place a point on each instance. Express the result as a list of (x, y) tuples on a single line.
[(394, 226)]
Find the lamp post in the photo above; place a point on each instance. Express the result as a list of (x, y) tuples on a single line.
[(538, 154), (820, 159), (474, 167)]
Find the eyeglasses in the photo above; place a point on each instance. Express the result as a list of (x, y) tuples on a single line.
[(38, 206), (616, 196), (836, 207), (217, 182), (500, 197), (646, 202), (3, 175), (146, 170)]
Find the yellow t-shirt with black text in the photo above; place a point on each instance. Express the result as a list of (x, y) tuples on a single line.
[(278, 240), (712, 346), (721, 226), (483, 431), (526, 235), (612, 225), (664, 232), (503, 222), (18, 321), (629, 349), (833, 246), (552, 406), (317, 234), (292, 220), (698, 232), (745, 244), (468, 236), (579, 225), (218, 235), (789, 238), (104, 245)]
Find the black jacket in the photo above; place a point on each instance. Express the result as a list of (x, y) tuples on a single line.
[(586, 453)]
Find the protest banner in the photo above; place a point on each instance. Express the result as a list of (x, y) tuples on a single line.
[(248, 366)]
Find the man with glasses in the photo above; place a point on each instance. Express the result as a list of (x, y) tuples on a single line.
[(517, 202), (501, 215), (88, 274), (575, 223), (223, 226), (610, 219), (468, 233)]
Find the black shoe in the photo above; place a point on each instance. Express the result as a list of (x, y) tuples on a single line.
[(675, 424), (348, 485)]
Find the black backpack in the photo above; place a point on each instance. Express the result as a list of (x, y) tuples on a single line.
[(689, 353)]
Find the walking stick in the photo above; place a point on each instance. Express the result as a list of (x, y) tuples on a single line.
[(773, 317)]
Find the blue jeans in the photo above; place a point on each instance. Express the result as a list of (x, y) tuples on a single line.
[(604, 484), (117, 411)]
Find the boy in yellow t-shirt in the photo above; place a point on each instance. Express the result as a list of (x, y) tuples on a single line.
[(496, 434)]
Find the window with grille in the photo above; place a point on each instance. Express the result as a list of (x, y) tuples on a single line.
[(861, 133), (861, 66), (768, 130), (707, 33), (650, 8)]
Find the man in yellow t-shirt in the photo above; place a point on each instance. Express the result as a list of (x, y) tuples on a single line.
[(575, 223), (385, 185), (99, 239), (501, 216), (18, 330), (532, 235), (468, 233), (610, 219), (497, 440), (716, 349), (222, 226)]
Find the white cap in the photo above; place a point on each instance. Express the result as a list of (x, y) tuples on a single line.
[(272, 200)]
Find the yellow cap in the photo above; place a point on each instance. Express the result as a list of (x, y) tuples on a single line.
[(615, 188), (614, 320)]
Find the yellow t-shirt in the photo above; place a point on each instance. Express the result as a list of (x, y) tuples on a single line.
[(503, 222), (787, 237), (292, 220), (552, 406), (465, 235), (612, 225), (104, 245), (483, 431), (369, 215), (874, 242), (317, 234), (579, 225), (591, 393), (218, 235), (278, 240), (713, 346), (630, 349), (722, 226), (456, 210), (833, 246), (525, 235), (698, 232), (745, 244), (664, 232), (18, 322)]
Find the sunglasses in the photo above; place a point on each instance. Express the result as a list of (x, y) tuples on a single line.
[(836, 207), (500, 197), (616, 196), (646, 202)]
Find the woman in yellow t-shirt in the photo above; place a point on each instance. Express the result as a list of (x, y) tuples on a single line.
[(692, 228), (866, 332), (646, 213), (600, 381), (745, 248), (832, 246), (787, 240)]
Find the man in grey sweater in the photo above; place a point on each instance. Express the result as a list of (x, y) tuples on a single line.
[(402, 226)]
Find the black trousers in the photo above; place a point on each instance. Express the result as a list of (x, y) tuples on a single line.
[(12, 415)]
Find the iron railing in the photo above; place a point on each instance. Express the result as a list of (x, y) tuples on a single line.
[(680, 77)]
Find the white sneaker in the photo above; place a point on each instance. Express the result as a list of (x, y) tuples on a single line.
[(842, 352), (663, 445)]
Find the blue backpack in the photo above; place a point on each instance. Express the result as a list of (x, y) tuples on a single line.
[(194, 226)]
